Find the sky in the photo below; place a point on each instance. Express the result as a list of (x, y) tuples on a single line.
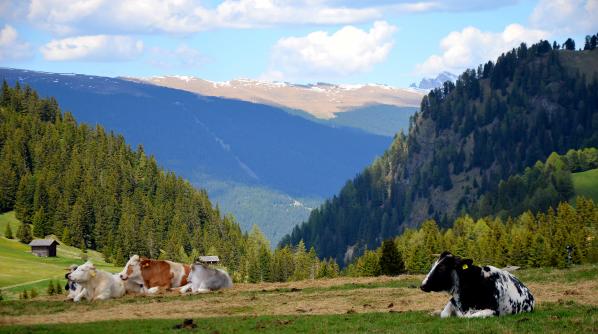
[(302, 41)]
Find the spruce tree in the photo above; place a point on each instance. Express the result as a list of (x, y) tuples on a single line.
[(24, 233), (8, 232), (391, 262), (51, 290)]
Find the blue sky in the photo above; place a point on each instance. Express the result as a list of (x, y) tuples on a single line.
[(338, 41)]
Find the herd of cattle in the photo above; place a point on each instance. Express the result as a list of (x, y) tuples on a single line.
[(142, 275), (476, 291)]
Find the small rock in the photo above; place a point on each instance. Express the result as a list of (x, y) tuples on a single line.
[(187, 324), (390, 305)]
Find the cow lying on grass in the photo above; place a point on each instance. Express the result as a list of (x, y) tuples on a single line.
[(204, 279), (476, 291), (148, 276), (73, 289), (96, 284)]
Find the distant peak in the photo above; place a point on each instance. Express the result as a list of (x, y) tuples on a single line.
[(431, 83)]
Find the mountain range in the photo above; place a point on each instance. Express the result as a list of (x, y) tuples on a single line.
[(261, 163), (375, 108)]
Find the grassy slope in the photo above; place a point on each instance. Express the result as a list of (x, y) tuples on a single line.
[(19, 267), (586, 184)]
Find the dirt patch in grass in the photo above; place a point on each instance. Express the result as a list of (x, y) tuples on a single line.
[(332, 296)]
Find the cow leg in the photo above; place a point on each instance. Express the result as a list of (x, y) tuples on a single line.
[(82, 294), (449, 310), (153, 290), (102, 296), (479, 313), (185, 288)]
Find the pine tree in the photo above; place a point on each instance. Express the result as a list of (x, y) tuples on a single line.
[(391, 262), (58, 288), (33, 293), (8, 232), (51, 290), (24, 233)]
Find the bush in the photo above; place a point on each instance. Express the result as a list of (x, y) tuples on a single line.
[(33, 293)]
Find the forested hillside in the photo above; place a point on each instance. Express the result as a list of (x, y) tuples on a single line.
[(90, 189), (228, 147), (539, 187), (494, 122)]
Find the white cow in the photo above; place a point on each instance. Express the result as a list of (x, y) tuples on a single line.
[(204, 279), (98, 284), (71, 287)]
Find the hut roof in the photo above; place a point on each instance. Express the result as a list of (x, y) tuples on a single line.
[(209, 258), (43, 242)]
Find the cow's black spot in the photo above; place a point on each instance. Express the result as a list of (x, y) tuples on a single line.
[(486, 268)]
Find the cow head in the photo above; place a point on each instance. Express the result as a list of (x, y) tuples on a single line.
[(83, 273), (132, 269), (440, 277)]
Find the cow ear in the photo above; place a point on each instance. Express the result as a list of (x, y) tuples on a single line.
[(445, 254), (464, 264), (144, 263)]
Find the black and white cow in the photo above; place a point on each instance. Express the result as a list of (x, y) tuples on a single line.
[(476, 291), (73, 289)]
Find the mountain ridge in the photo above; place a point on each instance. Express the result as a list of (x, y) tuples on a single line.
[(492, 123)]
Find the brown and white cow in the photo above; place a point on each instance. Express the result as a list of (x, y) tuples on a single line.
[(148, 276)]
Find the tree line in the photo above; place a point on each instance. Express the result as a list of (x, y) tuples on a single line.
[(552, 238)]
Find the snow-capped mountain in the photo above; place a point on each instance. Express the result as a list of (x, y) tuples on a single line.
[(431, 83), (321, 100)]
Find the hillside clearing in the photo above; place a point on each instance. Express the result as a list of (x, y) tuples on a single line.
[(339, 296), (586, 184), (19, 269)]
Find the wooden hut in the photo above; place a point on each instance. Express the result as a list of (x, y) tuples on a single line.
[(210, 259), (44, 247)]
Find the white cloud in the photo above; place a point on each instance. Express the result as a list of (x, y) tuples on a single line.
[(11, 48), (188, 16), (182, 57), (347, 51), (93, 48), (185, 16), (565, 17), (58, 16), (471, 46)]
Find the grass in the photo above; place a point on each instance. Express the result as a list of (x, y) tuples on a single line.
[(586, 184), (549, 318), (21, 268)]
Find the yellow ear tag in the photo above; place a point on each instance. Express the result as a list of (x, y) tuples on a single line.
[(465, 266), (93, 273)]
